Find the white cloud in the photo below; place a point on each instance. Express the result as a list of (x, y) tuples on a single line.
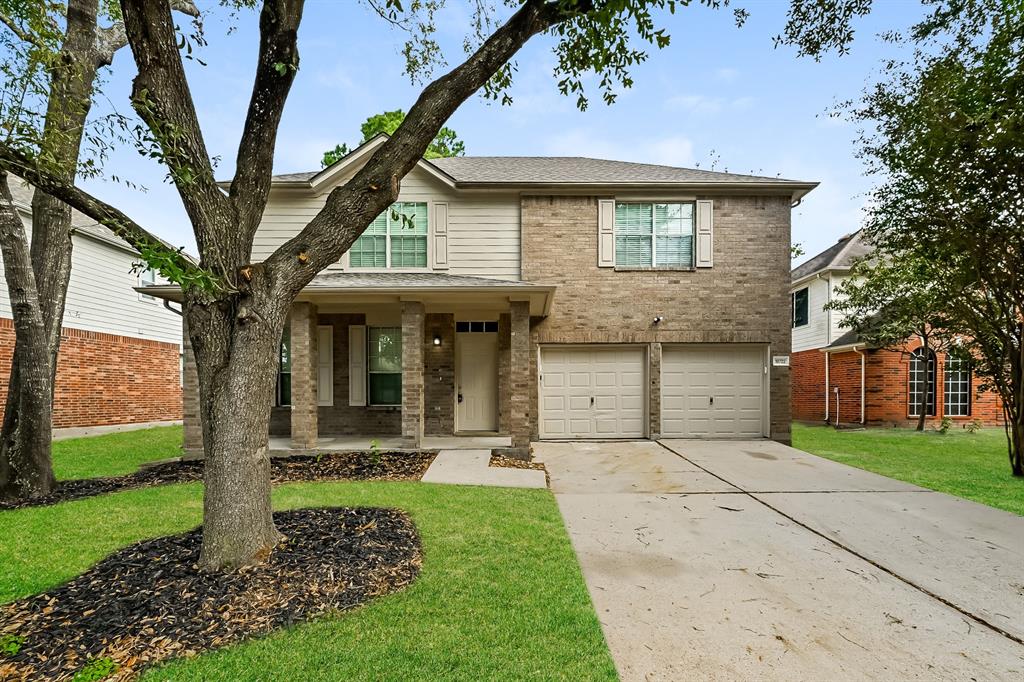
[(727, 74)]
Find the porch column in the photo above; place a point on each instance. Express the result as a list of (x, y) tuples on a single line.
[(504, 363), (412, 373), (193, 425), (304, 375), (654, 397), (519, 375)]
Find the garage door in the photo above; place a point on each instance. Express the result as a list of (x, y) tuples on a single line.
[(592, 392), (712, 391)]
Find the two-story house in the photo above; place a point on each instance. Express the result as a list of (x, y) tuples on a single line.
[(839, 378), (539, 298), (120, 358)]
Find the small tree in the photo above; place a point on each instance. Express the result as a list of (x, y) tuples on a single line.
[(946, 133), (889, 298), (445, 143)]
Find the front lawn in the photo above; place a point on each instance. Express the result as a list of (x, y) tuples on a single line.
[(500, 595), (114, 454), (970, 465)]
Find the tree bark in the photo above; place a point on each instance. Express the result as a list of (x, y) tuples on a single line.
[(236, 361), (25, 465)]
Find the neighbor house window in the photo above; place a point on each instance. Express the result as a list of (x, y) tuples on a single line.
[(397, 238), (649, 234), (917, 381), (384, 366), (147, 278), (284, 369), (956, 387), (800, 310)]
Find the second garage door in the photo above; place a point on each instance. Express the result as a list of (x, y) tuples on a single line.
[(592, 392), (712, 391)]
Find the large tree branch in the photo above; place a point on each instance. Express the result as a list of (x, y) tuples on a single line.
[(161, 96), (352, 206), (22, 35), (16, 163), (112, 38), (275, 70)]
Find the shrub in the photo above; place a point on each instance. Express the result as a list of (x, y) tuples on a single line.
[(95, 670), (945, 425), (10, 644)]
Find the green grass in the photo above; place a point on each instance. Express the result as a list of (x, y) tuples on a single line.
[(114, 454), (500, 596), (970, 465)]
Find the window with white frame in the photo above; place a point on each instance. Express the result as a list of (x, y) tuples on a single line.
[(384, 365), (956, 387), (147, 278), (654, 234), (918, 367), (283, 394), (397, 238)]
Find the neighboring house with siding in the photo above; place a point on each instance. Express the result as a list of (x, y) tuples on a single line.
[(839, 378), (538, 298), (119, 360)]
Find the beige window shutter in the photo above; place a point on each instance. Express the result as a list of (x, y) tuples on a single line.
[(325, 365), (705, 233), (357, 365), (440, 252), (606, 233)]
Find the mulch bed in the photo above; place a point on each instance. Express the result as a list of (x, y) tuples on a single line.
[(351, 466), (513, 463), (149, 603)]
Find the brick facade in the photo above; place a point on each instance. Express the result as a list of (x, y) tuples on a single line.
[(886, 389), (105, 379), (413, 317), (744, 298), (439, 375), (304, 354)]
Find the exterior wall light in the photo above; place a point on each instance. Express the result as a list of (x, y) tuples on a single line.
[(437, 339)]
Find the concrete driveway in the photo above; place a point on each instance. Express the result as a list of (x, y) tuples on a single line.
[(752, 560)]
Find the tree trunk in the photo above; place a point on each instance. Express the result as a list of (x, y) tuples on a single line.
[(25, 465), (1014, 408), (922, 407), (235, 346)]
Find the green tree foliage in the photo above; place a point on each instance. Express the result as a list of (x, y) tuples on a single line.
[(946, 132), (445, 143)]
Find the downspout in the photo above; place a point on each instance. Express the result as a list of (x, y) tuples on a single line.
[(862, 358), (828, 398)]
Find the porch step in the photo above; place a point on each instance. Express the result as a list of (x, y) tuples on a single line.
[(472, 467)]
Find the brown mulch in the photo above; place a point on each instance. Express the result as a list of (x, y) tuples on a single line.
[(513, 463), (149, 602), (351, 466)]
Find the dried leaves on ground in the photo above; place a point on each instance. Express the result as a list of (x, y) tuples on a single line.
[(513, 463), (149, 602), (352, 466)]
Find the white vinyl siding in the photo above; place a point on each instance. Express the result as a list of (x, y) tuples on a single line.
[(654, 234), (483, 237), (816, 333)]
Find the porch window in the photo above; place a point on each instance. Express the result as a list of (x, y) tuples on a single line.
[(956, 386), (397, 238), (384, 369), (917, 380), (651, 234), (284, 370)]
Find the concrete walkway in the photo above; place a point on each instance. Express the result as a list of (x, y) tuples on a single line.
[(472, 467), (751, 560)]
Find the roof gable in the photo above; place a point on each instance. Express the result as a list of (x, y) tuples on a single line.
[(840, 256)]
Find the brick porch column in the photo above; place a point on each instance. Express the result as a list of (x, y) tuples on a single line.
[(519, 375), (654, 397), (504, 364), (193, 425), (412, 373), (304, 375)]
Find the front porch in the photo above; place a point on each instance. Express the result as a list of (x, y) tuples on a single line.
[(402, 360)]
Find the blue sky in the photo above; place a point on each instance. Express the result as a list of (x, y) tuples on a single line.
[(717, 92)]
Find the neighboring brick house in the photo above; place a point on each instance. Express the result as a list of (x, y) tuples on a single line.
[(538, 298), (838, 378), (120, 353)]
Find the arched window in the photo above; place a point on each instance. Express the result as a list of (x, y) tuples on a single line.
[(956, 387), (917, 381)]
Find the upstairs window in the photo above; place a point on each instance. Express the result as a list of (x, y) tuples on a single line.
[(397, 238), (283, 393), (654, 235), (800, 308), (147, 278)]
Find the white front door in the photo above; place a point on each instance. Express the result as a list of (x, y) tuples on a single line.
[(476, 376), (592, 392)]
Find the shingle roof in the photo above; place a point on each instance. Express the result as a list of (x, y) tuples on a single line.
[(840, 255), (390, 280), (567, 170)]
